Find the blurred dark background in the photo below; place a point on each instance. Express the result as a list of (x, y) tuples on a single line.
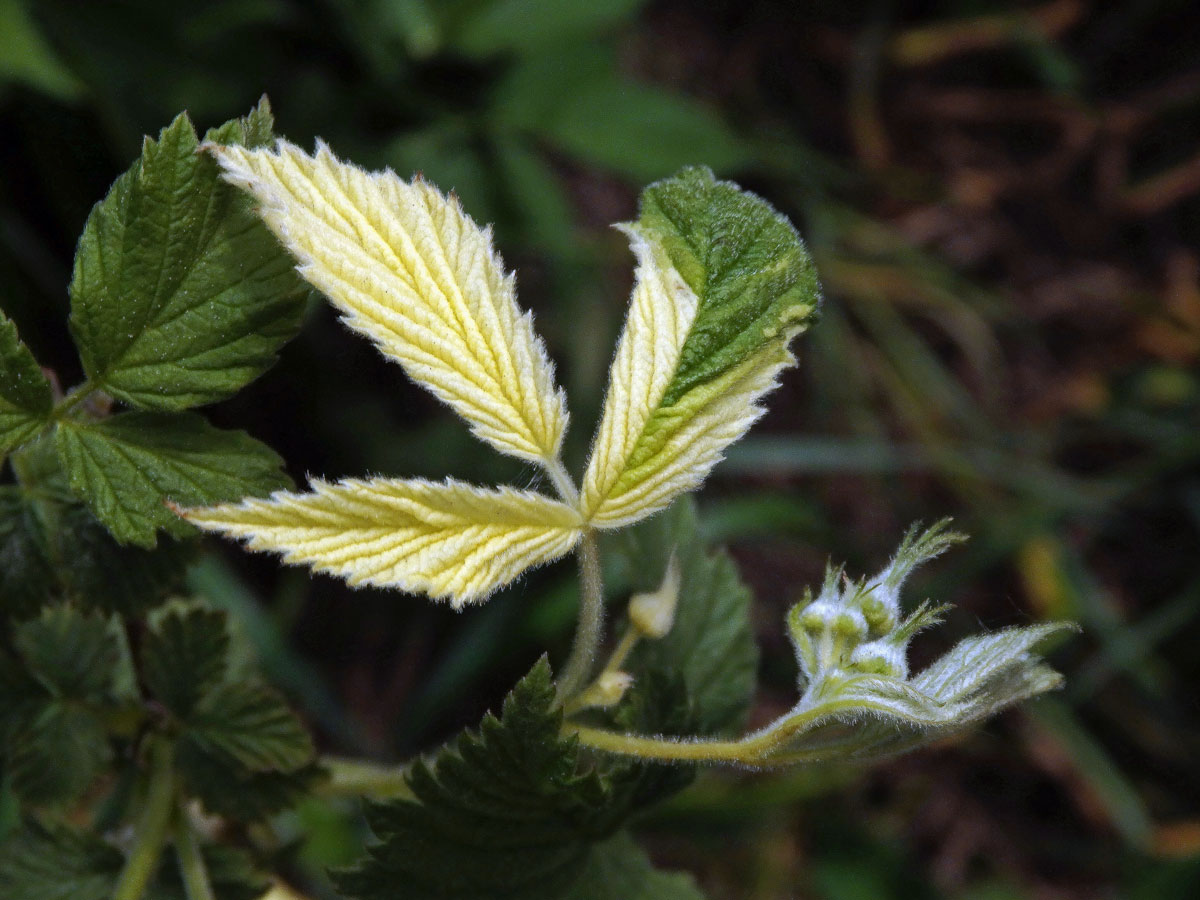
[(1003, 201)]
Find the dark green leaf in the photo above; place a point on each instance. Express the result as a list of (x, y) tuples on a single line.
[(56, 755), (230, 791), (42, 862), (180, 295), (536, 193), (184, 656), (658, 703), (73, 654), (21, 697), (641, 131), (248, 725), (499, 813), (126, 467), (255, 129), (55, 549), (27, 58), (100, 573), (25, 396), (27, 575), (534, 88), (521, 25), (620, 870), (743, 259), (710, 644)]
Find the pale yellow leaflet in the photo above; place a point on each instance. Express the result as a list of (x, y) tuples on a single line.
[(646, 453), (411, 271), (449, 540)]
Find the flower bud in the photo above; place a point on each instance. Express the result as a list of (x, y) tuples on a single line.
[(882, 657), (653, 613), (607, 690)]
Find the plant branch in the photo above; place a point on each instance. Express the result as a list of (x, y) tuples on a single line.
[(73, 399), (591, 619), (191, 862), (760, 748), (150, 833), (355, 778)]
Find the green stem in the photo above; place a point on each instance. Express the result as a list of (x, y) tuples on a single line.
[(191, 861), (150, 833), (73, 399), (758, 749), (625, 645), (591, 619), (355, 778), (621, 652)]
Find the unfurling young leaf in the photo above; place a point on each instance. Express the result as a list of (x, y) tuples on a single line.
[(723, 284), (411, 271), (858, 701), (25, 394), (447, 540)]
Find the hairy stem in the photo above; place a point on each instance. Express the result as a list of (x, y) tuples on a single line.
[(354, 778), (73, 399), (591, 619), (191, 862), (150, 833), (761, 748), (562, 481), (624, 647)]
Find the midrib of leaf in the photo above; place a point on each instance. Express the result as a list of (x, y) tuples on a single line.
[(122, 448), (172, 223), (453, 302), (169, 312), (160, 311)]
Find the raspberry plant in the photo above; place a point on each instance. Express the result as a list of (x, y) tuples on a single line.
[(120, 694)]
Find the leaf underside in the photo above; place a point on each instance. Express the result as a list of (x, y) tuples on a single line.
[(446, 539), (411, 271), (723, 284)]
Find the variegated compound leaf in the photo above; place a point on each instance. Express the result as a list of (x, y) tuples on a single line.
[(411, 271), (25, 396), (447, 540), (723, 284)]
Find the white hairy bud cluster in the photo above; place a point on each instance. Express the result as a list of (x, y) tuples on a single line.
[(857, 627)]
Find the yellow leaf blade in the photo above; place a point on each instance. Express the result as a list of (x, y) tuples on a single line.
[(647, 452), (448, 540), (723, 284), (680, 445), (660, 315), (411, 271)]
